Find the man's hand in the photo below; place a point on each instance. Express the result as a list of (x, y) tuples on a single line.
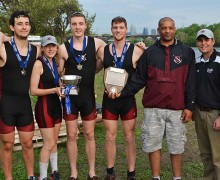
[(112, 95), (216, 125), (186, 116), (141, 45)]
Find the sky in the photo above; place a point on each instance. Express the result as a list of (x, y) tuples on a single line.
[(147, 13)]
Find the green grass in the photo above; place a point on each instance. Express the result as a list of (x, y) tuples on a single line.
[(192, 167)]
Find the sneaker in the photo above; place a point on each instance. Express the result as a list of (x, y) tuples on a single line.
[(110, 176), (93, 178), (33, 178), (131, 178), (155, 179), (55, 176)]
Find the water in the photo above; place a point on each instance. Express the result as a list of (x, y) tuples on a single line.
[(198, 53)]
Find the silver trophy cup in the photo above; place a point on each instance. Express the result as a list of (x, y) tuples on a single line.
[(72, 80), (115, 79)]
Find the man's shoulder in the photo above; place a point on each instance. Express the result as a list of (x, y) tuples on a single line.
[(97, 40)]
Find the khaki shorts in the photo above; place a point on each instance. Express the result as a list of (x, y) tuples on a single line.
[(160, 123)]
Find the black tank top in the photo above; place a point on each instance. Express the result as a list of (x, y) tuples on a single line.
[(89, 65), (127, 64), (46, 79), (47, 82), (12, 82)]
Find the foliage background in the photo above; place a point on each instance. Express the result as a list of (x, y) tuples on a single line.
[(47, 17)]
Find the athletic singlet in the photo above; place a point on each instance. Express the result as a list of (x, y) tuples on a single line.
[(121, 105), (11, 80), (85, 100), (15, 103), (48, 108), (88, 66), (108, 60)]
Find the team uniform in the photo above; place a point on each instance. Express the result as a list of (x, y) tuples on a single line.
[(48, 110), (125, 107), (168, 74), (84, 102), (15, 103)]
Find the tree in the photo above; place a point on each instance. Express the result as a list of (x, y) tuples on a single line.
[(47, 17)]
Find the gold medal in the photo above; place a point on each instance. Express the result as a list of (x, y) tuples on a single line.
[(79, 66), (23, 72)]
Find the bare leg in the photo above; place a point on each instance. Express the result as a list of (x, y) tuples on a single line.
[(176, 161), (6, 154), (27, 151), (88, 130), (56, 134), (49, 142), (128, 128), (110, 136), (154, 158), (71, 127)]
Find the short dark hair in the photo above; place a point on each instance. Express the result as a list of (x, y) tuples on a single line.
[(119, 19), (77, 14), (165, 19), (17, 14)]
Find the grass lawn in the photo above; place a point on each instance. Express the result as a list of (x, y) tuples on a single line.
[(192, 167)]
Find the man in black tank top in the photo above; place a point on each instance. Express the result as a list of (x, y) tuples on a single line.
[(111, 55), (16, 62), (78, 57)]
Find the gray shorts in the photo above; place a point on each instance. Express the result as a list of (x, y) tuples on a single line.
[(160, 123)]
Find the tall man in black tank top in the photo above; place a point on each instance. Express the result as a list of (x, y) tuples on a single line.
[(127, 54), (16, 62), (78, 56)]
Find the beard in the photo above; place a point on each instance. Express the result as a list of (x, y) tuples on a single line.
[(21, 37)]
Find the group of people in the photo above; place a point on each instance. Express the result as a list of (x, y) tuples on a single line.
[(178, 88)]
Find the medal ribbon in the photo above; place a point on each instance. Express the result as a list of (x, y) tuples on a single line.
[(23, 63), (79, 58), (67, 98), (53, 69), (119, 63)]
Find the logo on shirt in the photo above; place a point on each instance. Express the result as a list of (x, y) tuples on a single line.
[(177, 59), (209, 70)]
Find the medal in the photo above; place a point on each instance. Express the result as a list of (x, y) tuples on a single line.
[(53, 69), (83, 58), (79, 66), (119, 63), (23, 72), (23, 62)]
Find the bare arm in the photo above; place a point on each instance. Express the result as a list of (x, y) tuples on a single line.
[(39, 52), (98, 43), (136, 55), (2, 55), (4, 38), (99, 58), (62, 56)]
